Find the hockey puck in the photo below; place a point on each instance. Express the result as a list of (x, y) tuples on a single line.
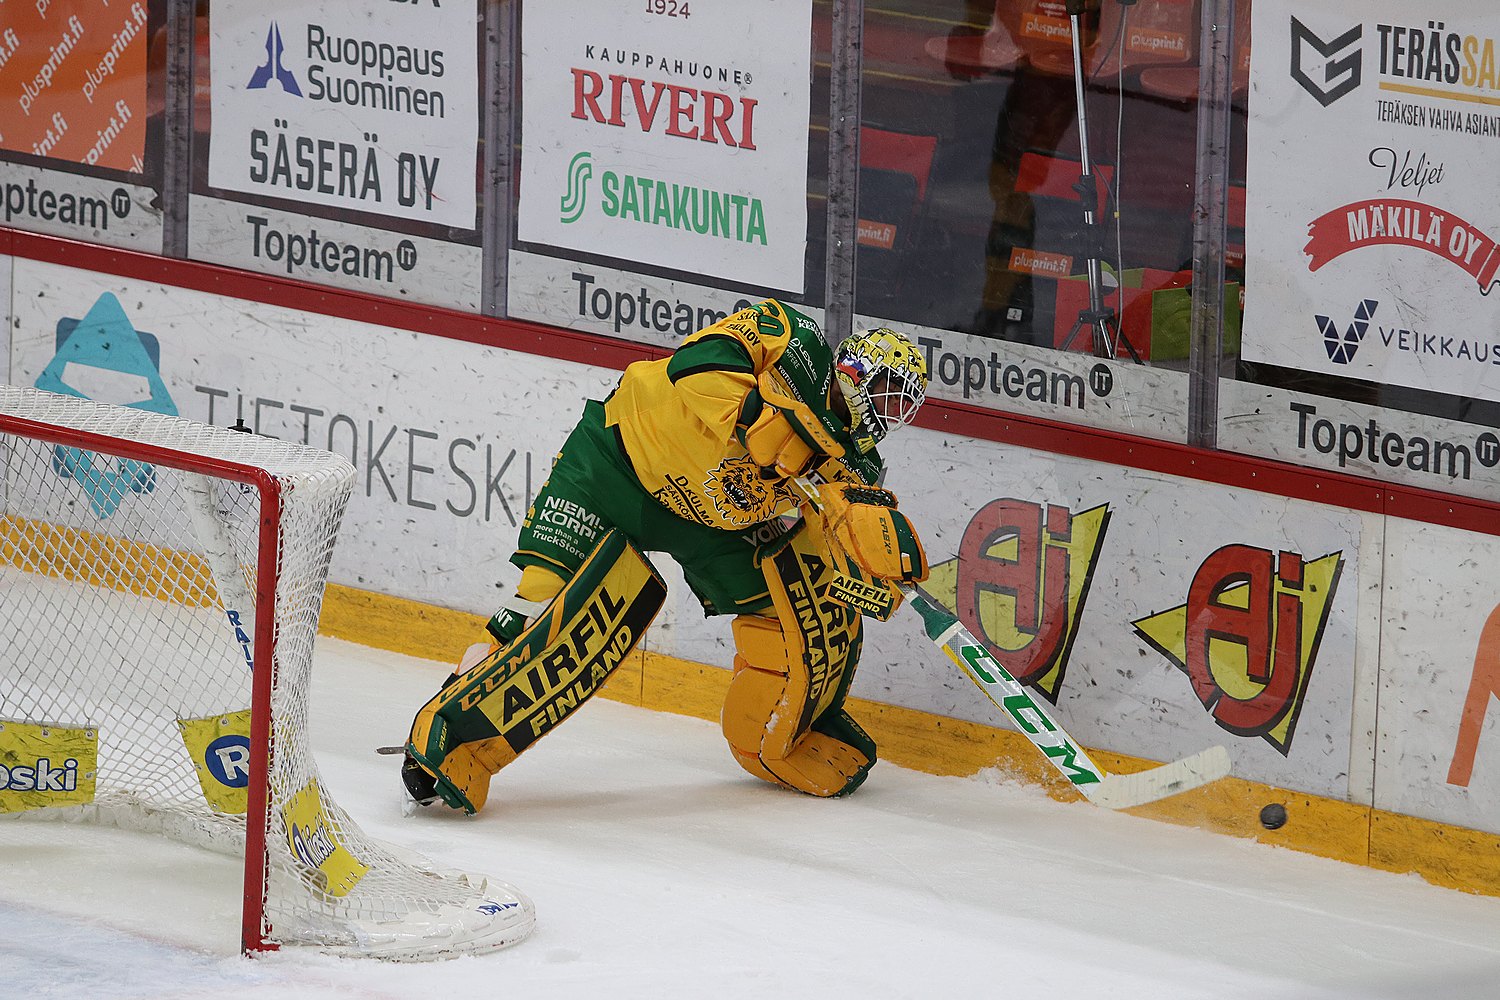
[(1273, 816)]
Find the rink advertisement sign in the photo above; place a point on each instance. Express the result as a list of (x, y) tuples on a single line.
[(334, 252), (669, 134), (365, 107), (1374, 214), (1388, 445), (73, 81), (219, 747), (444, 462), (1017, 378), (1248, 636), (1159, 614), (1020, 581), (313, 839), (44, 766), (77, 207), (1440, 669)]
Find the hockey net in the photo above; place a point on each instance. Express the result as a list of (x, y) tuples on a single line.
[(160, 587)]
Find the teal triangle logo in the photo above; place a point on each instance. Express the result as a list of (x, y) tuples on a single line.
[(106, 342)]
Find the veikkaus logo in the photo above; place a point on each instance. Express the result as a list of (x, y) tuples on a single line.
[(1326, 69), (1342, 346), (273, 68)]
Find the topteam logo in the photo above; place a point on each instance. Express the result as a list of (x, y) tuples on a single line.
[(1340, 69), (273, 67), (575, 199), (1341, 347)]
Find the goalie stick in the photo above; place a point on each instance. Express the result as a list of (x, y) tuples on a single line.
[(1112, 791)]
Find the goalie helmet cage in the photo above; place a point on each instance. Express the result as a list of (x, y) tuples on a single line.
[(160, 583)]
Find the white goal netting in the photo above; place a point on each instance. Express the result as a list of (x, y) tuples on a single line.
[(140, 583)]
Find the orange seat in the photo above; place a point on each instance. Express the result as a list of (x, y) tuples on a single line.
[(911, 154), (1181, 83), (1147, 34), (1046, 176), (894, 168), (1038, 24)]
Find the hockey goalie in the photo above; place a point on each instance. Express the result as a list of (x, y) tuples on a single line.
[(697, 456)]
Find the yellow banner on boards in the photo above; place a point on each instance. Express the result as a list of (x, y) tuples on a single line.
[(44, 766), (315, 844), (220, 749)]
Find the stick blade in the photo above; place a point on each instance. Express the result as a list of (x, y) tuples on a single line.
[(1122, 791)]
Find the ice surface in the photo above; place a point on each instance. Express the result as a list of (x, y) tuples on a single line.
[(659, 869)]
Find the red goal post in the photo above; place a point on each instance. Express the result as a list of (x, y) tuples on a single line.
[(160, 586)]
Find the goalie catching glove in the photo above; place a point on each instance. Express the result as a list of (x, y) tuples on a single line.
[(863, 521)]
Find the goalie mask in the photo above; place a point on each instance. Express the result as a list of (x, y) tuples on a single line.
[(884, 380)]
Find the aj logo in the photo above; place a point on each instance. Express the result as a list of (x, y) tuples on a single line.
[(102, 357), (1248, 636), (1326, 70), (575, 200), (1341, 346), (273, 66), (1020, 582)]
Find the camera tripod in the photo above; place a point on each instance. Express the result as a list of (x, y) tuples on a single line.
[(1097, 316)]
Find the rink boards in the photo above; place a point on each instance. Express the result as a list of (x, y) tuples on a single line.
[(1163, 600)]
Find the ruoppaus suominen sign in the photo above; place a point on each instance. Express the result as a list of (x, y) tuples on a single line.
[(367, 107)]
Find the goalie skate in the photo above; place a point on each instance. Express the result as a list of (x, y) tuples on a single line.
[(419, 787)]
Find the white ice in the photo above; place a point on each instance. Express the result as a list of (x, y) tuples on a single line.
[(659, 869)]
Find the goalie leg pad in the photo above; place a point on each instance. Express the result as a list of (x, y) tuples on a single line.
[(490, 714), (760, 717), (783, 714)]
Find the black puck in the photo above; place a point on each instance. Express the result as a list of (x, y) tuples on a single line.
[(1273, 816)]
